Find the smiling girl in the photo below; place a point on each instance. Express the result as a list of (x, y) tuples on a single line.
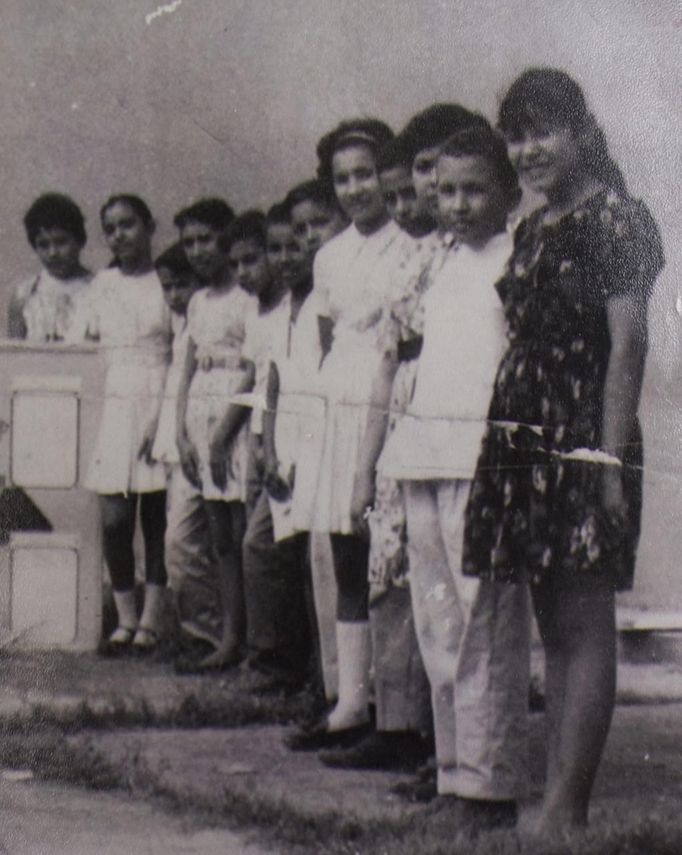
[(557, 495), (352, 281), (126, 312)]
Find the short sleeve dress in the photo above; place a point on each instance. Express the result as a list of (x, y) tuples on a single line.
[(132, 322), (353, 276), (49, 306), (535, 505), (216, 323)]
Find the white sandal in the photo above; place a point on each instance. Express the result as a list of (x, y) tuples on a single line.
[(145, 640)]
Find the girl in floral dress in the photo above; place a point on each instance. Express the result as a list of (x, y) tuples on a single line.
[(126, 312), (557, 496)]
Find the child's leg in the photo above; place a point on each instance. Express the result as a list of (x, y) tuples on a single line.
[(323, 584), (438, 615), (578, 632), (188, 561), (492, 672), (153, 521), (274, 577), (118, 529), (227, 524), (351, 555), (401, 687)]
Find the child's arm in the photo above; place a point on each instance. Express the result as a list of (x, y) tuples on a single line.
[(147, 444), (189, 459), (622, 388), (326, 331), (234, 418), (373, 442), (16, 325), (276, 487)]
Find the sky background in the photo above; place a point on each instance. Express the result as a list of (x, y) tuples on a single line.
[(228, 97)]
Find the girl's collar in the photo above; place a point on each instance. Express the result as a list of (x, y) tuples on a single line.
[(585, 202)]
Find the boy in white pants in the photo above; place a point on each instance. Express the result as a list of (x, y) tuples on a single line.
[(473, 636)]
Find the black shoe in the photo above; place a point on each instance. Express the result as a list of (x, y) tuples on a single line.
[(382, 750), (416, 791), (272, 682), (214, 663), (470, 817), (318, 738)]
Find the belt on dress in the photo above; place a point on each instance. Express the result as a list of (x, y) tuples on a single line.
[(208, 360)]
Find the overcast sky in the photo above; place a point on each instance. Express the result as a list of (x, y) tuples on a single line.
[(229, 98)]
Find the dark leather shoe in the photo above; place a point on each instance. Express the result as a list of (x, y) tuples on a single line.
[(450, 814), (383, 750), (318, 738)]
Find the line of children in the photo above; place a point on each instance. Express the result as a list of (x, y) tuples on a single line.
[(332, 372)]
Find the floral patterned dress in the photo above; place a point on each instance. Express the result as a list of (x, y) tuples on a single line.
[(535, 505), (403, 325)]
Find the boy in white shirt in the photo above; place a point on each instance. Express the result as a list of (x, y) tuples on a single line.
[(187, 559), (268, 261), (433, 451)]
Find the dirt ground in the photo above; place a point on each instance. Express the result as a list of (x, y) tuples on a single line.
[(198, 765), (640, 779), (46, 819)]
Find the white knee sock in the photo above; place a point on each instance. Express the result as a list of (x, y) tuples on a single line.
[(154, 604), (354, 654)]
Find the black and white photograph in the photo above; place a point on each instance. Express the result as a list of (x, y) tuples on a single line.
[(340, 427)]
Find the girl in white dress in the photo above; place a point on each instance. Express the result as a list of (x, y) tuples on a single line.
[(42, 307), (352, 282), (212, 432), (126, 312)]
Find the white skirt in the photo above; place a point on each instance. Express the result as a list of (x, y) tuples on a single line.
[(208, 401), (327, 466), (131, 398)]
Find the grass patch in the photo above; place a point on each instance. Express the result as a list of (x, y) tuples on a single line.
[(50, 757), (282, 827), (207, 706)]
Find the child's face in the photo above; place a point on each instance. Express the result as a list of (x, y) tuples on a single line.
[(402, 203), (424, 178), (127, 235), (471, 201), (249, 265), (59, 252), (314, 225), (356, 184), (286, 259), (545, 157), (177, 289), (202, 248)]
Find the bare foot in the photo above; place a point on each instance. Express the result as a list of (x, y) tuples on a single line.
[(557, 823)]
